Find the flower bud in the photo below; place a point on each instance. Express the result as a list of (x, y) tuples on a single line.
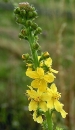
[(17, 10), (24, 32), (21, 36), (35, 13), (28, 22), (30, 14), (34, 26), (46, 54), (19, 20), (23, 12), (25, 56), (36, 46), (32, 8), (38, 31)]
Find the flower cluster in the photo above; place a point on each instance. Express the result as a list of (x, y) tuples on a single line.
[(25, 16), (42, 93), (42, 96)]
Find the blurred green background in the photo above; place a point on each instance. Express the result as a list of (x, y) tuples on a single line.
[(57, 19)]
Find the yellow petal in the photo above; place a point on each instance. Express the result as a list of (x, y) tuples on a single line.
[(39, 57), (49, 77), (32, 74), (53, 87), (63, 113), (37, 119), (54, 71), (48, 62), (33, 106), (31, 93), (43, 106), (40, 84), (40, 72), (58, 105), (29, 66), (35, 83), (34, 115), (45, 96), (50, 104)]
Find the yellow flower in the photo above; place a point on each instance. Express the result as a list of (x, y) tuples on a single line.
[(53, 100), (40, 78), (37, 100), (37, 118), (48, 63), (53, 97)]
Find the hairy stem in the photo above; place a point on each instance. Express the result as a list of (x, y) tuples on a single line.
[(33, 51), (49, 120)]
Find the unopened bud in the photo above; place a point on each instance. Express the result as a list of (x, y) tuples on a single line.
[(21, 36), (24, 32), (19, 20), (34, 26), (17, 10), (36, 46), (25, 56), (30, 14), (35, 13), (38, 31), (28, 22), (22, 12), (33, 8), (45, 55)]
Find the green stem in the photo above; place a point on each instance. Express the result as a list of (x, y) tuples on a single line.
[(33, 51), (49, 120)]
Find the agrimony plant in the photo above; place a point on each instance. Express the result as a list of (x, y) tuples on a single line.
[(42, 92)]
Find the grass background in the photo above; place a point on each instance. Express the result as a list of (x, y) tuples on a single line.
[(57, 20)]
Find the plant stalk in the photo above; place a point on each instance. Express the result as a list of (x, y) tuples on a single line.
[(49, 120), (33, 51)]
